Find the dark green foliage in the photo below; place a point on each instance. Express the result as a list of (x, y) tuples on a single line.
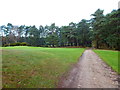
[(23, 44), (17, 44), (102, 31), (106, 29), (83, 33)]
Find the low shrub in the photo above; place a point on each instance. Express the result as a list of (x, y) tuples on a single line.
[(16, 44), (23, 44), (5, 45)]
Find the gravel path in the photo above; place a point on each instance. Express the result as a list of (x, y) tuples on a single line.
[(90, 72)]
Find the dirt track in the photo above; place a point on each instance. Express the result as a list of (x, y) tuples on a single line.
[(90, 72)]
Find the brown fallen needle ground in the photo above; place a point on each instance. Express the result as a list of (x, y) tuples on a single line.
[(90, 72)]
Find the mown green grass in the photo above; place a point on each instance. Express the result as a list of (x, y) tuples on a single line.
[(35, 67), (110, 57)]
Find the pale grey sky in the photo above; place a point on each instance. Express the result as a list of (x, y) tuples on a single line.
[(42, 12)]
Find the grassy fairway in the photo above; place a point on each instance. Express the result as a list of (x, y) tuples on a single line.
[(35, 66), (110, 57)]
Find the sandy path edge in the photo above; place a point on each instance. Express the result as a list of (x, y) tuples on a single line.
[(90, 72)]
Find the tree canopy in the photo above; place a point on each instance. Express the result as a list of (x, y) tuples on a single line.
[(101, 31)]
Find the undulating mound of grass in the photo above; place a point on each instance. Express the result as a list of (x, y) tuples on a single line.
[(110, 57), (35, 67)]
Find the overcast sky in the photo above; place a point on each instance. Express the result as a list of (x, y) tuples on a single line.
[(42, 12)]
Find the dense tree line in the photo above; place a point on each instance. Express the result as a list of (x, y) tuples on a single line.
[(101, 31)]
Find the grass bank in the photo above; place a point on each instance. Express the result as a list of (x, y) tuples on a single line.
[(110, 57), (35, 67)]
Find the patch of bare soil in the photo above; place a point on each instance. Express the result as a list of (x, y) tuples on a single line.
[(90, 72)]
